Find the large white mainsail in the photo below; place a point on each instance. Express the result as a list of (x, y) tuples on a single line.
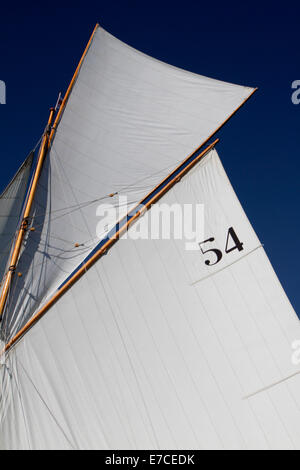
[(11, 203), (154, 348), (129, 121)]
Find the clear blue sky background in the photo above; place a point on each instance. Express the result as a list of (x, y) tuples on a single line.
[(249, 44)]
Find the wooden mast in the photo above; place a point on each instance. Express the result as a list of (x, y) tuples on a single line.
[(26, 216), (70, 87)]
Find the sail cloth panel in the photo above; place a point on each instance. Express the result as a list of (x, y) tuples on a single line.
[(138, 355), (129, 121), (11, 203)]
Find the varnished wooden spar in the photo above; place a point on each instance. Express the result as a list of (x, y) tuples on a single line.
[(104, 248), (25, 221), (70, 87)]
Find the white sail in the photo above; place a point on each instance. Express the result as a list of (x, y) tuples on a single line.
[(11, 203), (154, 349), (129, 121)]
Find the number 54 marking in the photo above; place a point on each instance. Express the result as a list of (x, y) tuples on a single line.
[(231, 237)]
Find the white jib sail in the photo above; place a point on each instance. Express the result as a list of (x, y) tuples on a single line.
[(155, 348), (129, 121), (11, 203)]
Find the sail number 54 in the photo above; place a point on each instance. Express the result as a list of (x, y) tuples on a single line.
[(215, 255)]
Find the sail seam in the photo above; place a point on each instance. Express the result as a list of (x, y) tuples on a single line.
[(225, 267), (269, 387)]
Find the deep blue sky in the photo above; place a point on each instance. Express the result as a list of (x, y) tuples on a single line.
[(255, 45)]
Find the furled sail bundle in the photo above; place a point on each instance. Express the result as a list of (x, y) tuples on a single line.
[(153, 345)]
